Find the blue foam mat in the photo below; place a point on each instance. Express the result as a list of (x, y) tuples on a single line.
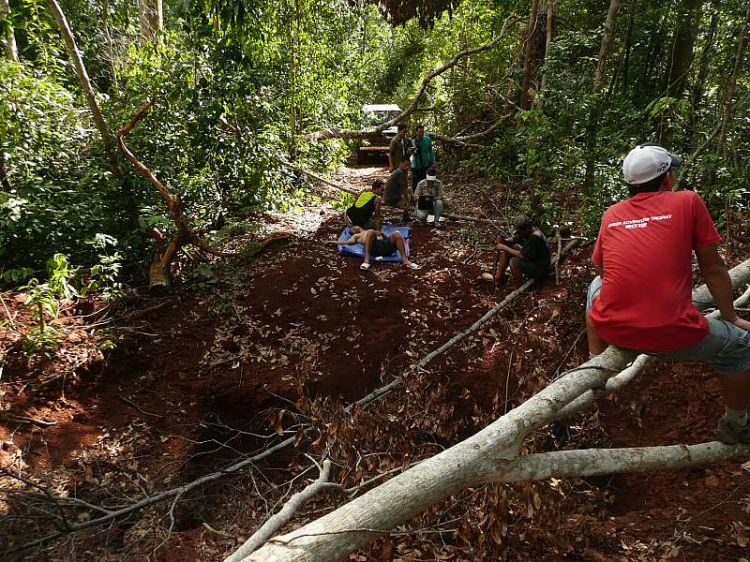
[(358, 250)]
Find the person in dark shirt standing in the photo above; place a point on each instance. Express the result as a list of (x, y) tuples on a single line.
[(397, 192), (400, 148), (527, 253)]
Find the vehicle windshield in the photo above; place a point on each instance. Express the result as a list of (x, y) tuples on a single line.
[(375, 118)]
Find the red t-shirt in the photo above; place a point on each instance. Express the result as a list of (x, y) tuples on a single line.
[(645, 247)]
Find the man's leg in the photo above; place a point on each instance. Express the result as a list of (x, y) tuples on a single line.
[(437, 209), (596, 344), (736, 390), (405, 203), (516, 270), (398, 240), (369, 240), (503, 260), (422, 214)]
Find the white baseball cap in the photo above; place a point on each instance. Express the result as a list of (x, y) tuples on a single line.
[(646, 162)]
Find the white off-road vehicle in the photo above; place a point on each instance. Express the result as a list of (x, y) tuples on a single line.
[(372, 116)]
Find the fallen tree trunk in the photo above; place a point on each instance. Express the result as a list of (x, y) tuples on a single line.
[(492, 455), (739, 275), (430, 357)]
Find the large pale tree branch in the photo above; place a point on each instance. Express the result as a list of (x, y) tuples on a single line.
[(363, 133), (596, 462)]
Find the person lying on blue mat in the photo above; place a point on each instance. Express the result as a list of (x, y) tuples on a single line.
[(377, 244)]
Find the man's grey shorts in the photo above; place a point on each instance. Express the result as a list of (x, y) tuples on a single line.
[(726, 347)]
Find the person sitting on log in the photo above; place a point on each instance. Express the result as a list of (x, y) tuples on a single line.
[(397, 191), (642, 299), (527, 253), (367, 207), (429, 195), (377, 244)]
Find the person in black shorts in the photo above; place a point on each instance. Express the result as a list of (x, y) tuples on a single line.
[(367, 205), (527, 253), (377, 244)]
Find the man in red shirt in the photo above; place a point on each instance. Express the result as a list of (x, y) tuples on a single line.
[(643, 297)]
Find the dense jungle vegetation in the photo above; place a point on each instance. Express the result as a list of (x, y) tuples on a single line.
[(236, 84)]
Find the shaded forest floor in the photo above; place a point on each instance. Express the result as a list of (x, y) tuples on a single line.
[(231, 361)]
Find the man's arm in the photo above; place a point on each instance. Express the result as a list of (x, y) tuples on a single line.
[(507, 249), (353, 240), (378, 220), (405, 191), (717, 279)]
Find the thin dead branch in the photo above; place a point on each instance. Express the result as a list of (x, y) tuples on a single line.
[(272, 526)]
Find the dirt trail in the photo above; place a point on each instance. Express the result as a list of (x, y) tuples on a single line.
[(189, 384)]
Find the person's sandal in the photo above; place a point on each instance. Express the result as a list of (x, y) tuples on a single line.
[(732, 434), (365, 266), (414, 266)]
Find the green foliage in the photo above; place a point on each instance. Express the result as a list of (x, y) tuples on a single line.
[(55, 196), (237, 84), (42, 336)]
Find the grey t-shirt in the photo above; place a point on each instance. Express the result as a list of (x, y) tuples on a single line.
[(423, 189)]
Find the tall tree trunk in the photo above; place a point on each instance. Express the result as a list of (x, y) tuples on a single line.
[(708, 48), (539, 102), (83, 78), (654, 48), (682, 47), (110, 145), (529, 53), (628, 45), (7, 37), (732, 83), (292, 15), (150, 19), (609, 29), (110, 46)]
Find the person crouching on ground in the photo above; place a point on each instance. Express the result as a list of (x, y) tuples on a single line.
[(397, 191), (367, 207), (642, 299), (429, 195), (527, 253), (377, 244)]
